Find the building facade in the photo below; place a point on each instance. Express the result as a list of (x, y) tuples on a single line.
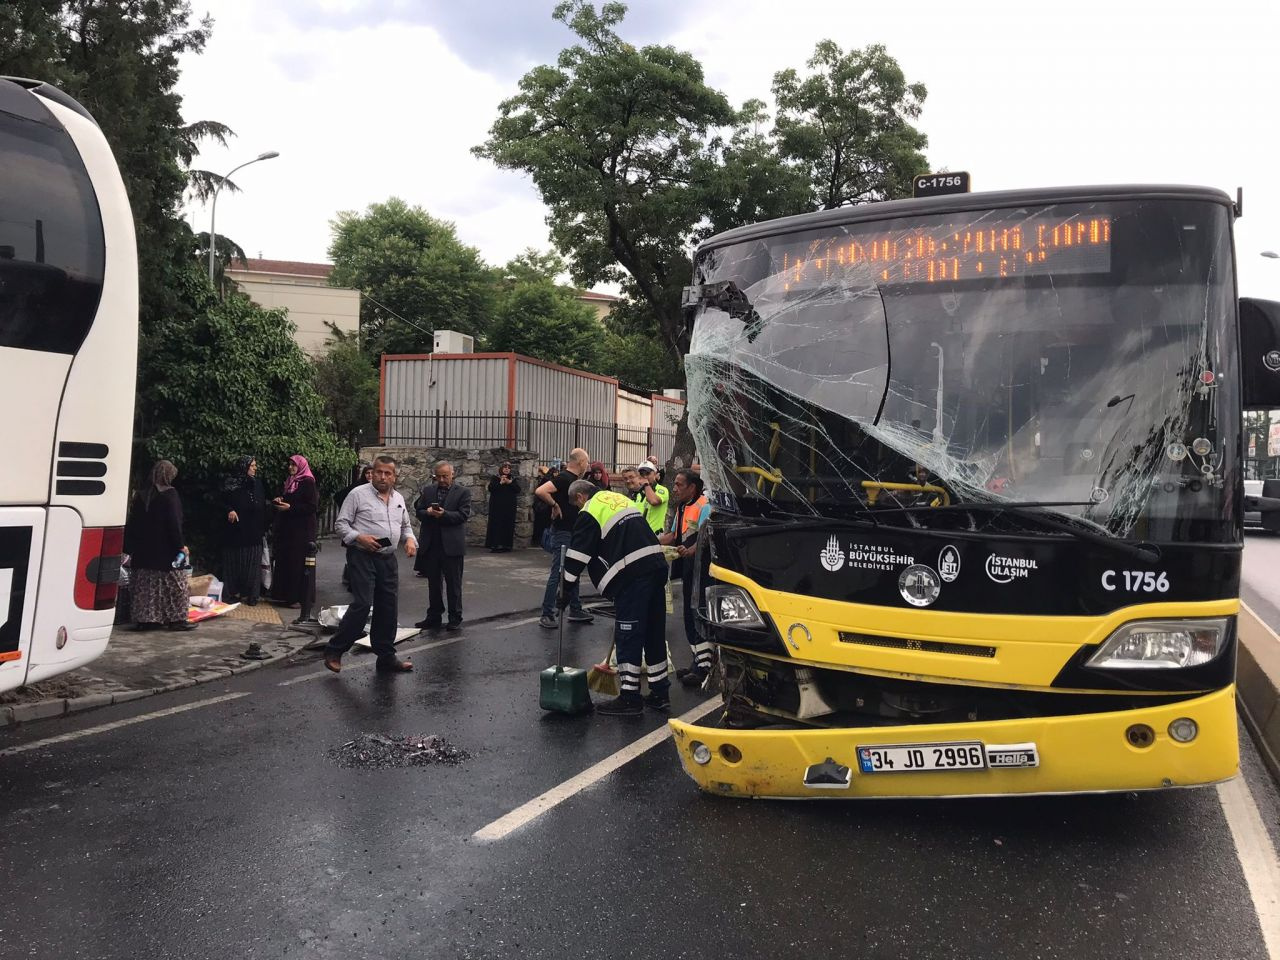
[(302, 289)]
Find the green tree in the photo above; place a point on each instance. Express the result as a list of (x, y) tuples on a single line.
[(617, 141), (227, 379), (752, 181), (630, 352), (536, 316), (120, 59), (348, 387), (416, 276), (846, 125)]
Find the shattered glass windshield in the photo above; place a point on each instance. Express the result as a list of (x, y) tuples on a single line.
[(1080, 355)]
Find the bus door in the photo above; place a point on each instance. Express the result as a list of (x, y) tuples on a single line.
[(21, 541)]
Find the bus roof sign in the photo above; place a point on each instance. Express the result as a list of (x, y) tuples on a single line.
[(938, 184)]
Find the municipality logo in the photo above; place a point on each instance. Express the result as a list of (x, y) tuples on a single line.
[(949, 563), (832, 556)]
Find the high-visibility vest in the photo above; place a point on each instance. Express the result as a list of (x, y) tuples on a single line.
[(656, 517), (613, 543), (689, 519)]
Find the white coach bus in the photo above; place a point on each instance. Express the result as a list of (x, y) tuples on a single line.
[(68, 361)]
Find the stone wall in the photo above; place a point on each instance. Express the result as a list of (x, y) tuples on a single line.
[(473, 469)]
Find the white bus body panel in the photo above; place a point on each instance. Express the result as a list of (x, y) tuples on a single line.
[(87, 630), (97, 404), (30, 400), (15, 523)]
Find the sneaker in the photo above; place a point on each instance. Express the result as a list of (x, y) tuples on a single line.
[(549, 622), (580, 616), (693, 678), (657, 701), (626, 706)]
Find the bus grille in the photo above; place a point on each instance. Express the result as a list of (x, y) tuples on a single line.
[(925, 646)]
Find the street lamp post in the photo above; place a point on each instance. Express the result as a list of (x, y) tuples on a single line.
[(213, 208)]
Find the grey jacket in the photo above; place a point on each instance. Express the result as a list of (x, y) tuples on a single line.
[(452, 525)]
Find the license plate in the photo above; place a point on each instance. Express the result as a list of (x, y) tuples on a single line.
[(916, 757)]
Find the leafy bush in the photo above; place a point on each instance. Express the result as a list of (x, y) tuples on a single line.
[(219, 380)]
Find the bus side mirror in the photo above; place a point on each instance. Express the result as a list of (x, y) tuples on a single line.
[(1260, 353)]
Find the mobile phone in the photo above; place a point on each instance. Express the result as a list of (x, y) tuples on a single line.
[(384, 541)]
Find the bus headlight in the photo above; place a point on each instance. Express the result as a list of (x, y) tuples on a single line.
[(732, 607), (1161, 644)]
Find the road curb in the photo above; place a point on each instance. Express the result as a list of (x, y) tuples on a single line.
[(1258, 685), (12, 714), (16, 713)]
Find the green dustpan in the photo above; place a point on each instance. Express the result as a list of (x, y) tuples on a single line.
[(563, 689)]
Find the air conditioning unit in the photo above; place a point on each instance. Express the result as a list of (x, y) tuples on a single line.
[(451, 341), (674, 394)]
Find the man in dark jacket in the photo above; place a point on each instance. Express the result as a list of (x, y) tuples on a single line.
[(612, 541), (443, 507)]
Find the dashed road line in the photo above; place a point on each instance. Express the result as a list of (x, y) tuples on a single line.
[(117, 724), (526, 813)]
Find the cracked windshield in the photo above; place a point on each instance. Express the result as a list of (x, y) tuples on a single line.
[(1067, 356)]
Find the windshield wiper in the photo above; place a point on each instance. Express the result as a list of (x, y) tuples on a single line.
[(1034, 510)]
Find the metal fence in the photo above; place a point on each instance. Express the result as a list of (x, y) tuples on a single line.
[(613, 444)]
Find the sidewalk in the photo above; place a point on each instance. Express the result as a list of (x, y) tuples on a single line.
[(141, 664)]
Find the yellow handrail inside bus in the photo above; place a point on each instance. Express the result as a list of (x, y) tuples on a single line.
[(763, 474), (873, 488)]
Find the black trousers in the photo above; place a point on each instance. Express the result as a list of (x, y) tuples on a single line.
[(438, 567), (640, 633), (375, 582)]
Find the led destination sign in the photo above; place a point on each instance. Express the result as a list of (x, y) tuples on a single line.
[(973, 250)]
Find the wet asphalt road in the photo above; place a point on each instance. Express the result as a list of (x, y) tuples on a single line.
[(226, 831)]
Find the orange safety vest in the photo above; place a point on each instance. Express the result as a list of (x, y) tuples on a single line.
[(689, 517)]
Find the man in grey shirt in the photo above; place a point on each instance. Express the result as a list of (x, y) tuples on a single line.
[(372, 523)]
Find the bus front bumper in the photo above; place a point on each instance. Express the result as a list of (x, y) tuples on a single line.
[(1074, 754)]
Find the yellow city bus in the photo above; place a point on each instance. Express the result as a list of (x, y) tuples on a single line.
[(975, 467)]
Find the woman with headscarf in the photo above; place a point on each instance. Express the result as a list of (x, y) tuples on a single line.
[(295, 527), (504, 491), (244, 503), (154, 541), (598, 475)]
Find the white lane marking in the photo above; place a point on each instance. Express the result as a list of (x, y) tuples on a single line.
[(117, 724), (1257, 857), (528, 812), (372, 661), (519, 623)]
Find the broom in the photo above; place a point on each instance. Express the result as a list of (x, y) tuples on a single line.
[(602, 678)]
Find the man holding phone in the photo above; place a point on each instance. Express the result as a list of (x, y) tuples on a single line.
[(372, 523), (444, 508)]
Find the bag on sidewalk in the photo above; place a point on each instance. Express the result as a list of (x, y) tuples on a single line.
[(265, 566)]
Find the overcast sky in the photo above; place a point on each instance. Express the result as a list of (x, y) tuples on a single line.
[(366, 99)]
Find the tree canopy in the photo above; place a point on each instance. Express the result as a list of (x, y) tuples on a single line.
[(414, 274), (537, 316), (845, 125), (216, 380)]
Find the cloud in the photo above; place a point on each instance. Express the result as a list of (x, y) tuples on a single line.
[(503, 39)]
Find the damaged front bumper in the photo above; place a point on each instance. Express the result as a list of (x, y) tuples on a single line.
[(1081, 753)]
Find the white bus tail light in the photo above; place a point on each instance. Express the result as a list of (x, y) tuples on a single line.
[(98, 567)]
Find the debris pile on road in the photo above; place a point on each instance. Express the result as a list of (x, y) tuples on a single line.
[(380, 751)]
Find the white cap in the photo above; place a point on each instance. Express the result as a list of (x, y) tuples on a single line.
[(645, 465)]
